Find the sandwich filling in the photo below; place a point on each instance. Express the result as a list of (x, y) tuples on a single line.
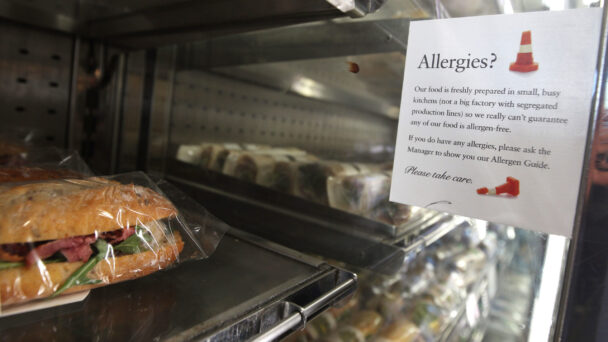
[(89, 249), (72, 249)]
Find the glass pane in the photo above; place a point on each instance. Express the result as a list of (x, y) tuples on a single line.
[(302, 120)]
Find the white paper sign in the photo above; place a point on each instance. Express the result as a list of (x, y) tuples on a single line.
[(494, 116)]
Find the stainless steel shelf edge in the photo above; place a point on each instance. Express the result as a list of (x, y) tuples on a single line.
[(297, 43), (299, 319), (298, 316), (22, 13), (137, 24), (276, 247)]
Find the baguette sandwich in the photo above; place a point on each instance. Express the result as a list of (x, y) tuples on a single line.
[(72, 235)]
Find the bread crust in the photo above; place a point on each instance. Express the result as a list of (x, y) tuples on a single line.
[(60, 209), (8, 149), (23, 284), (21, 174)]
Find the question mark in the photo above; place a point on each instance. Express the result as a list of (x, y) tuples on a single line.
[(492, 61)]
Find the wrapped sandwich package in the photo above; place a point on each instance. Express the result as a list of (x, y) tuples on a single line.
[(359, 188), (190, 153), (69, 235), (366, 194), (15, 143), (44, 163), (311, 178), (281, 175), (213, 156), (247, 166), (270, 168), (10, 153)]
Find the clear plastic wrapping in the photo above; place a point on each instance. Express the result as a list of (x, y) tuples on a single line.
[(367, 194), (15, 142), (273, 168), (214, 156), (44, 163), (311, 178), (247, 166), (69, 235), (281, 176), (10, 153), (190, 153)]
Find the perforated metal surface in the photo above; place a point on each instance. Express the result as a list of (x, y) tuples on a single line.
[(211, 108), (35, 81)]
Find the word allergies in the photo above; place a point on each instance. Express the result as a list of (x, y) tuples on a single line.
[(435, 61)]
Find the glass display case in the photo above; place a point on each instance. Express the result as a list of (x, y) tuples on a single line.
[(280, 118)]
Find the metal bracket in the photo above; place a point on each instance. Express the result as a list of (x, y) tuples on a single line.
[(299, 319)]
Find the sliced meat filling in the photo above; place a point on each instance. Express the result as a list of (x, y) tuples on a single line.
[(77, 248), (81, 252), (47, 249)]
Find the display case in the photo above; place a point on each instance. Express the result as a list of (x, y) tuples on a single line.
[(280, 118)]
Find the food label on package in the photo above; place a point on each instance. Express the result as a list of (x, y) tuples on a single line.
[(494, 116)]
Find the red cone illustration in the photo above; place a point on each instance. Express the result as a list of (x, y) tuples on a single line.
[(511, 187), (524, 61)]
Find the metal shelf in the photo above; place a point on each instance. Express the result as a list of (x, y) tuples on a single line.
[(249, 288), (146, 23), (309, 227)]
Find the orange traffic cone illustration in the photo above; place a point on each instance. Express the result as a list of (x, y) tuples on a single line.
[(511, 187), (524, 61)]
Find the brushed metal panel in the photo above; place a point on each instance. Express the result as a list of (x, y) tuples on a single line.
[(211, 108), (35, 68)]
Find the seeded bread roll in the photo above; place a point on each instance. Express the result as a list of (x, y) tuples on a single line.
[(61, 209), (23, 284)]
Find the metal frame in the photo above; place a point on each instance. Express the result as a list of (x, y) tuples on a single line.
[(141, 24), (160, 113), (585, 203), (304, 314), (297, 43)]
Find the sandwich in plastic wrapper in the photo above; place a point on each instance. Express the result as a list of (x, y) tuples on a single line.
[(281, 176), (190, 154), (213, 156), (45, 163), (311, 178), (15, 142), (70, 235), (247, 166), (260, 166), (367, 194)]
